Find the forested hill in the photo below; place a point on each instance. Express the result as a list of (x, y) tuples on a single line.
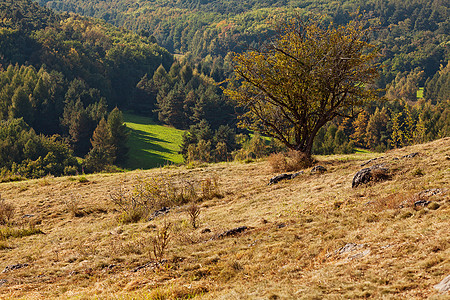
[(63, 74), (107, 59), (413, 34)]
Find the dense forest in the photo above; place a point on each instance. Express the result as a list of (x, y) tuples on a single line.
[(65, 77), (413, 34), (60, 76)]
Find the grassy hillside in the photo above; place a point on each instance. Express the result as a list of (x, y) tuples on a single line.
[(151, 145), (312, 237)]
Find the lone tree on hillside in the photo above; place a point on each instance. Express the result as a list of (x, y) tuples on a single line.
[(303, 78)]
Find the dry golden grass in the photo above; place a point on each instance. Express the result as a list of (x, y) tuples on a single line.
[(293, 247)]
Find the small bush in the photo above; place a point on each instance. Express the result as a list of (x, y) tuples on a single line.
[(290, 161), (277, 162), (161, 191), (82, 179), (161, 241), (210, 188), (193, 212), (6, 212), (297, 160), (418, 172), (72, 206)]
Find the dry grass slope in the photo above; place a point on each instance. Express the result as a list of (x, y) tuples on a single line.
[(311, 237)]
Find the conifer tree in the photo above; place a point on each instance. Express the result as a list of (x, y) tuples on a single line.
[(103, 150), (21, 106), (119, 134)]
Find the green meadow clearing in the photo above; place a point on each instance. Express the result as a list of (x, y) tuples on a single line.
[(151, 145)]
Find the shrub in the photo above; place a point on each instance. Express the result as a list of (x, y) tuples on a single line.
[(277, 162), (290, 161), (193, 212), (6, 212), (161, 191), (161, 240), (210, 188), (297, 160), (72, 206)]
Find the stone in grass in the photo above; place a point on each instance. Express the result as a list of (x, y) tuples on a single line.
[(411, 155), (159, 212), (232, 232), (374, 173), (14, 267), (318, 169), (444, 285), (280, 177)]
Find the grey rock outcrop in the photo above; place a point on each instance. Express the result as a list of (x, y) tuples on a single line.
[(374, 173)]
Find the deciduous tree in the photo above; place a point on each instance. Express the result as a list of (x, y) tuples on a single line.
[(303, 78)]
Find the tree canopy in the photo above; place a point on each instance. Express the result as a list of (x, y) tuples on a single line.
[(307, 75)]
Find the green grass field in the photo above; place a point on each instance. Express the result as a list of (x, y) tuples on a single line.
[(151, 145)]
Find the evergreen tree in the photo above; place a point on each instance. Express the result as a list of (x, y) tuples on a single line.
[(119, 135), (21, 106), (102, 153)]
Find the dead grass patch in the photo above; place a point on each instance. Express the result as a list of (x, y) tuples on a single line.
[(292, 250)]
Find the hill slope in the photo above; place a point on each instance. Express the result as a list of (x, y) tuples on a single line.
[(151, 145), (310, 237)]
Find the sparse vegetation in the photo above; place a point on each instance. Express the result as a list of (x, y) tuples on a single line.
[(161, 240), (73, 205), (193, 211), (7, 211), (161, 191), (314, 236)]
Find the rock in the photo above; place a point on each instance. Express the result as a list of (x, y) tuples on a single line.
[(411, 155), (371, 160), (3, 281), (280, 177), (296, 174), (232, 232), (159, 212), (318, 169), (444, 285), (14, 267), (421, 203), (374, 173), (430, 192)]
